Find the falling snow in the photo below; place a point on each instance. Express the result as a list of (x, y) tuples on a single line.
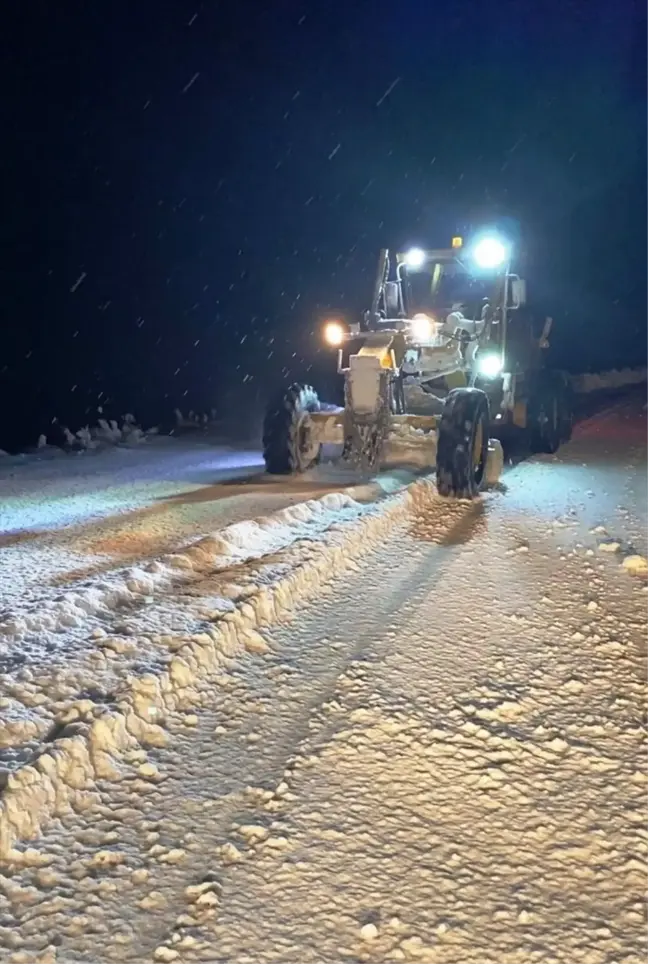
[(191, 83), (387, 92), (79, 281)]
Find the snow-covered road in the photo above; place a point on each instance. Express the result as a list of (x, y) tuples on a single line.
[(441, 758), (67, 518)]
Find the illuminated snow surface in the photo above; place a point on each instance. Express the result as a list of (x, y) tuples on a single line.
[(84, 514), (439, 757)]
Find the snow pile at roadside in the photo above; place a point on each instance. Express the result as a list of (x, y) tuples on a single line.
[(105, 434), (605, 381), (108, 433), (90, 737), (226, 548)]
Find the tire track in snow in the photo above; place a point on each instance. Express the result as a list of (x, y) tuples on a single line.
[(93, 736), (226, 786)]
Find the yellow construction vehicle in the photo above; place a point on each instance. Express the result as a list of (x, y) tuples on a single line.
[(445, 353)]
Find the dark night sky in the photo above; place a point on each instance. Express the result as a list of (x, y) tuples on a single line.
[(218, 175)]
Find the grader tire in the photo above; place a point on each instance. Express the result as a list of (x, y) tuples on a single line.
[(288, 445), (462, 443), (566, 410), (550, 422)]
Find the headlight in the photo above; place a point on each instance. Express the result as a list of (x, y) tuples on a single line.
[(421, 327), (489, 253), (415, 258), (333, 334), (489, 365)]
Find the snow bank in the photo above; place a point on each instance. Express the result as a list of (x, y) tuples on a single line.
[(92, 741), (616, 378), (193, 420), (104, 435), (228, 547)]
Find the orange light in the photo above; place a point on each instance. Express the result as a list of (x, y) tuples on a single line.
[(457, 242), (333, 333)]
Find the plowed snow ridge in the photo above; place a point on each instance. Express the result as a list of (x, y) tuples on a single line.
[(84, 736)]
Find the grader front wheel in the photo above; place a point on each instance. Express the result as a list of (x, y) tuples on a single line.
[(288, 444), (462, 443)]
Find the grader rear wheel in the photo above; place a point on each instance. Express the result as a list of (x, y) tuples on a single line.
[(550, 411), (462, 443)]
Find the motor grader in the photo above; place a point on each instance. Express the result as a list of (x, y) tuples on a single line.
[(447, 356)]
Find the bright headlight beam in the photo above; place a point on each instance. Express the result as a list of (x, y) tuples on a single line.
[(489, 365), (415, 258), (421, 327), (333, 334), (489, 253)]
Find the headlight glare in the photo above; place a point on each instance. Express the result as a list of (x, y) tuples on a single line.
[(421, 328), (415, 258), (333, 333), (489, 365), (490, 253)]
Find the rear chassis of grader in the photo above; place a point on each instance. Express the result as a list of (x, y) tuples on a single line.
[(484, 378)]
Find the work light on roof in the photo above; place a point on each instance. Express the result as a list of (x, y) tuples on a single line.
[(415, 258), (490, 252)]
